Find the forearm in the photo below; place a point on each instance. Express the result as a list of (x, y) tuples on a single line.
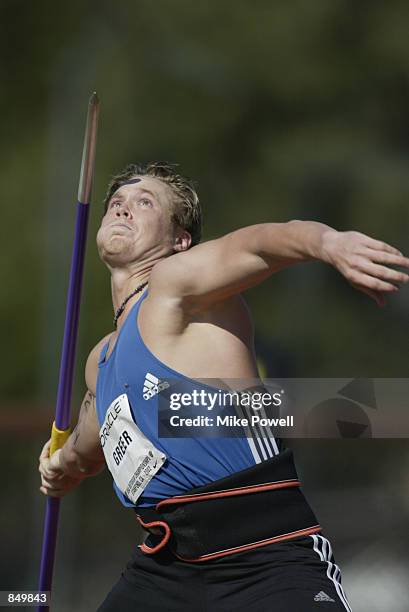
[(292, 242), (76, 465), (81, 455)]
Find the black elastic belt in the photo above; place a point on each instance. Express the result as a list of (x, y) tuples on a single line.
[(251, 508)]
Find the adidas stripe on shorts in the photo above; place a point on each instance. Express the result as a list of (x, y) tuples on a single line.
[(299, 575)]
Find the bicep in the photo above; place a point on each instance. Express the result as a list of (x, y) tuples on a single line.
[(213, 270)]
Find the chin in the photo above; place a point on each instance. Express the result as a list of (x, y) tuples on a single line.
[(113, 251)]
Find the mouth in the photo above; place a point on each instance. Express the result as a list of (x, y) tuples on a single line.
[(121, 225)]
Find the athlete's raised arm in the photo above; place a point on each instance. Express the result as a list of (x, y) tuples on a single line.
[(216, 269), (82, 455)]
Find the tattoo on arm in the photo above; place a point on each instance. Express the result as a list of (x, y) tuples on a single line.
[(76, 434), (88, 401)]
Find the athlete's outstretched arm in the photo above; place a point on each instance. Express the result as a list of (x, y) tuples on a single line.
[(228, 265)]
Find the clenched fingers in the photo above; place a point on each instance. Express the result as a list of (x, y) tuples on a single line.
[(53, 492), (57, 487), (50, 488), (45, 453)]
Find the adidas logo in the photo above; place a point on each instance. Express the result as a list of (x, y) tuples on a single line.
[(321, 596), (152, 386)]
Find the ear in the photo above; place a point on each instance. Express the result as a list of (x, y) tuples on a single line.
[(182, 242)]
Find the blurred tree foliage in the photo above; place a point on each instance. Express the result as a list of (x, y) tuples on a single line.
[(280, 110)]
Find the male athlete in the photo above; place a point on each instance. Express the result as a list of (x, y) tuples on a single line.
[(228, 527)]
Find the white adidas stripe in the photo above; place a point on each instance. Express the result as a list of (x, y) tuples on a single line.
[(149, 385), (323, 548), (151, 378), (337, 573), (256, 435), (263, 435), (250, 441), (270, 434)]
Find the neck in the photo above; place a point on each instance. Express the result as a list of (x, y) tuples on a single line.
[(123, 282)]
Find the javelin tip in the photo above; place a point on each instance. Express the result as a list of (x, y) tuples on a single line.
[(88, 155)]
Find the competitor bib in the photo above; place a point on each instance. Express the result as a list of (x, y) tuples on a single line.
[(131, 458)]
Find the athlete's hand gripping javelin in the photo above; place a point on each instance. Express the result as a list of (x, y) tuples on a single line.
[(81, 456), (54, 482)]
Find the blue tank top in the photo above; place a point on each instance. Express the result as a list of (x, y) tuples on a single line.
[(191, 461)]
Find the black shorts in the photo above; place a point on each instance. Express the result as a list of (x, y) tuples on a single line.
[(298, 575)]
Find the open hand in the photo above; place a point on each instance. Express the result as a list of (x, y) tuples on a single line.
[(365, 263)]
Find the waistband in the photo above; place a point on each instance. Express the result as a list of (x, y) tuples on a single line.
[(251, 508)]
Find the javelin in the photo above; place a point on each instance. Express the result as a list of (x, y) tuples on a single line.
[(61, 426)]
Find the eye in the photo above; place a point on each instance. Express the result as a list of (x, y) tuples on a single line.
[(114, 204), (145, 202)]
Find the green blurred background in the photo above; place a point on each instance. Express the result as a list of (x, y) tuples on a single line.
[(279, 110)]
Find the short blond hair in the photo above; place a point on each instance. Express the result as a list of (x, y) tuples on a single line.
[(187, 212)]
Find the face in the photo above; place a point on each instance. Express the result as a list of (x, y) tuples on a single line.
[(137, 225)]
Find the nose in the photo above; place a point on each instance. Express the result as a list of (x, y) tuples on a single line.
[(123, 211)]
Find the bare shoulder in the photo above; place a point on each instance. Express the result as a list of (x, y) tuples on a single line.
[(208, 272), (177, 281), (91, 367), (168, 277), (173, 291), (183, 273), (168, 304)]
